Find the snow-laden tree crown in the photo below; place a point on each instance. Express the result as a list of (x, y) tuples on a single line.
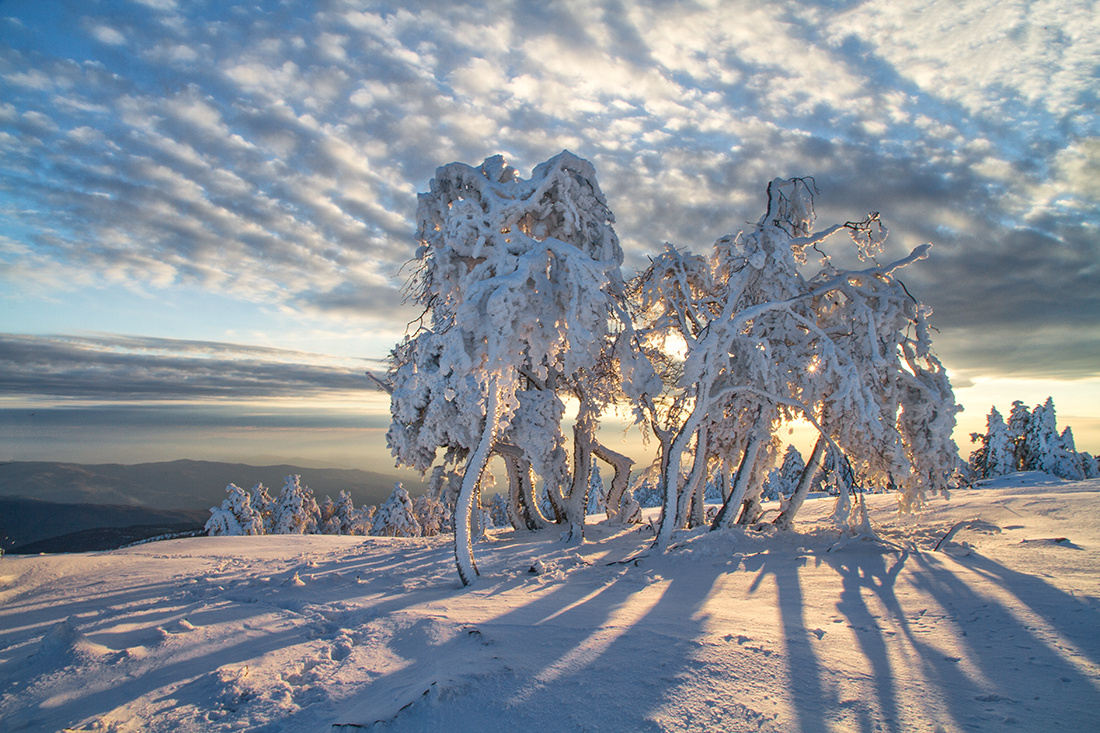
[(525, 305)]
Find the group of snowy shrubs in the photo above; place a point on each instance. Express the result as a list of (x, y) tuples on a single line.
[(296, 511), (1029, 441)]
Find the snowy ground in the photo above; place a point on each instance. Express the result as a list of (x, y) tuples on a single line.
[(1000, 630)]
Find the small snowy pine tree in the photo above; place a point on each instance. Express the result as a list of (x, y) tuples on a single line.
[(1018, 418), (396, 518), (1067, 462), (790, 471), (597, 494), (340, 517), (433, 516), (363, 519), (296, 511), (995, 455), (264, 505), (498, 512), (325, 525), (236, 515), (1041, 440)]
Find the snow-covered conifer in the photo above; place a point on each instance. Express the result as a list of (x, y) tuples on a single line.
[(363, 519), (396, 517), (1090, 465), (432, 515), (995, 455), (1042, 444), (1068, 464), (1018, 418), (338, 517), (325, 525), (783, 480), (264, 505), (235, 516), (498, 512), (296, 511), (597, 494)]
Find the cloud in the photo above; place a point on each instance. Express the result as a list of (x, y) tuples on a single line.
[(275, 153), (127, 369), (108, 35)]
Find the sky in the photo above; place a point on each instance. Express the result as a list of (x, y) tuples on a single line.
[(205, 207)]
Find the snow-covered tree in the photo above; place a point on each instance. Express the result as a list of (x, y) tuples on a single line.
[(847, 350), (996, 454), (782, 481), (495, 249), (264, 505), (597, 495), (325, 525), (1090, 465), (235, 516), (1042, 444), (338, 517), (498, 511), (363, 520), (431, 514), (1018, 418), (296, 511), (396, 517), (1068, 464)]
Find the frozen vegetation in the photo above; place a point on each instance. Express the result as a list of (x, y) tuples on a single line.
[(1029, 441), (296, 511), (526, 308)]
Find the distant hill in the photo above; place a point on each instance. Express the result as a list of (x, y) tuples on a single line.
[(186, 485), (29, 525)]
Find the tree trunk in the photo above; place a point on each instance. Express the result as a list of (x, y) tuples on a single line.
[(732, 503), (530, 500), (669, 483), (464, 505), (577, 502), (523, 509), (619, 482), (694, 481), (698, 506), (786, 517)]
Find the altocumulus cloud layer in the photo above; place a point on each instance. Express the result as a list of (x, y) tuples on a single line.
[(274, 150)]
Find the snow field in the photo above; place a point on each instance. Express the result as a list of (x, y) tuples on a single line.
[(736, 630)]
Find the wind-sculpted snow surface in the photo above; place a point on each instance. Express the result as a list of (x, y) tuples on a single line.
[(739, 630)]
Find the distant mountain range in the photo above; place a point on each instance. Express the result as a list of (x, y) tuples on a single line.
[(44, 500), (31, 526)]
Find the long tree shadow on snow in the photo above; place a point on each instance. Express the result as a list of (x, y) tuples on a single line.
[(605, 648), (805, 672), (1021, 662), (981, 623)]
